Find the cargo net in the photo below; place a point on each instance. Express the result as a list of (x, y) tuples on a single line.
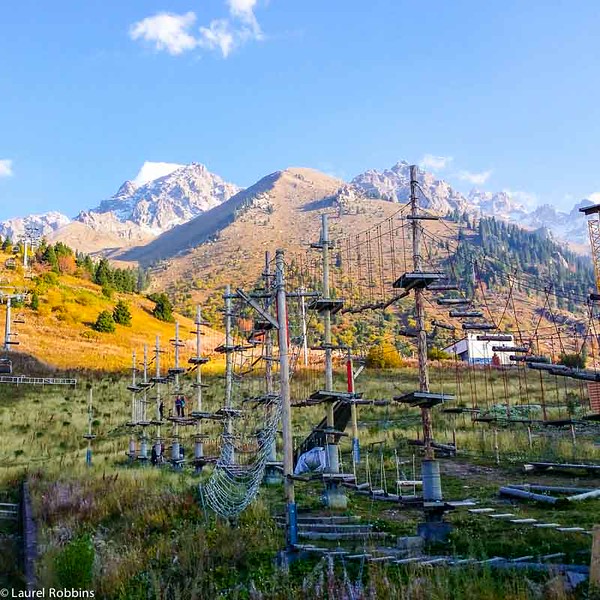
[(251, 417)]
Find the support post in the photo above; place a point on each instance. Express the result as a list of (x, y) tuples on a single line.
[(143, 410), (496, 447), (420, 314), (132, 441), (88, 453), (175, 446), (595, 562), (286, 414), (304, 330), (272, 473), (335, 495), (198, 445), (228, 371), (158, 442), (354, 412), (7, 332)]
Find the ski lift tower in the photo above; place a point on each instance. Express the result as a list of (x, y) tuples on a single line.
[(30, 239)]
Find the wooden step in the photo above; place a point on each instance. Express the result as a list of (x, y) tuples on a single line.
[(348, 535), (325, 527)]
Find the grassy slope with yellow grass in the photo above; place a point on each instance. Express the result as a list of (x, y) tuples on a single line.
[(60, 332)]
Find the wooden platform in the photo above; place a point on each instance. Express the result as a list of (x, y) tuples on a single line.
[(466, 314), (333, 396), (416, 280), (454, 301), (333, 305), (198, 360), (547, 466), (423, 399)]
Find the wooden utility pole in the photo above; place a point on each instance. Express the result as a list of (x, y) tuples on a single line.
[(354, 412), (595, 562), (198, 443), (286, 409), (89, 436), (132, 444), (229, 371), (176, 446), (420, 313), (143, 409), (331, 449), (159, 417)]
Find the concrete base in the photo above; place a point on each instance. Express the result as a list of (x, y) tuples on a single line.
[(410, 545), (335, 497), (273, 476), (436, 531)]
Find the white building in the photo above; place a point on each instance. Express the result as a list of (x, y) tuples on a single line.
[(480, 352)]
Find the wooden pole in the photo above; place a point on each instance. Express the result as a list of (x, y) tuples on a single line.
[(331, 450), (496, 447), (7, 333), (175, 448), (595, 561), (132, 448), (420, 315), (354, 413), (198, 446), (228, 368), (158, 444), (286, 409), (304, 331)]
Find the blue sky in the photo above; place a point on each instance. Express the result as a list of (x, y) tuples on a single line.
[(510, 91)]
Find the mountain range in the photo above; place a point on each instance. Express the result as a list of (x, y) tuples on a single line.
[(141, 212)]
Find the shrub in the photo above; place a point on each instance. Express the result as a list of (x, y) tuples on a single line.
[(163, 309), (438, 354), (35, 301), (574, 361), (74, 565), (105, 322), (122, 314), (383, 355)]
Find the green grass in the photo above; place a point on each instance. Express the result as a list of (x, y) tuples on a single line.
[(151, 538)]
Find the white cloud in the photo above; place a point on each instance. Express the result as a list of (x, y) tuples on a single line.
[(6, 167), (172, 33), (594, 197), (244, 11), (154, 170), (167, 31), (435, 163), (218, 35), (474, 178)]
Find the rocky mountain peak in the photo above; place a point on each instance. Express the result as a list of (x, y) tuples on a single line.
[(162, 203), (44, 224), (126, 190)]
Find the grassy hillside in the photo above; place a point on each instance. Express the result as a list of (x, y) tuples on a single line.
[(150, 536), (60, 334)]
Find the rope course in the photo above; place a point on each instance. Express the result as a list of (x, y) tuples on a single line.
[(253, 406)]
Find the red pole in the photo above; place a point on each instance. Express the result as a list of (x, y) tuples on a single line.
[(350, 375)]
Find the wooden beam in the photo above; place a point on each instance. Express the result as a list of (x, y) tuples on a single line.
[(595, 561)]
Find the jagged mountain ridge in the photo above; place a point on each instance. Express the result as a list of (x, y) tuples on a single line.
[(136, 215), (438, 196), (160, 204), (45, 224)]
